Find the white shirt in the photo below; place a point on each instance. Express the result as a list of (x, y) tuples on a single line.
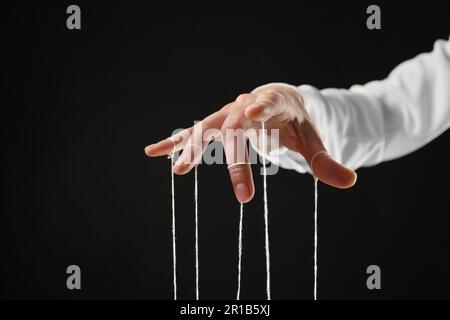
[(381, 120)]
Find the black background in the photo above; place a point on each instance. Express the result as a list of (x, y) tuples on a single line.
[(78, 108)]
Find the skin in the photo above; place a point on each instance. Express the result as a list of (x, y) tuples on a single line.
[(280, 107)]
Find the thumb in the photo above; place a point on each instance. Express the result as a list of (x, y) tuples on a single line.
[(331, 172), (322, 165)]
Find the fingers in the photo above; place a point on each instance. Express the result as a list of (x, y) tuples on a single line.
[(236, 153), (191, 155), (163, 147), (269, 104), (242, 181), (265, 106), (322, 165), (170, 145), (332, 172), (203, 132), (179, 140), (235, 146)]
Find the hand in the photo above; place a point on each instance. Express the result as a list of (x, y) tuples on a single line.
[(280, 107)]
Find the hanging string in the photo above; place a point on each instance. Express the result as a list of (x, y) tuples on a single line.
[(241, 218), (266, 221), (174, 252), (197, 292), (316, 196), (266, 211)]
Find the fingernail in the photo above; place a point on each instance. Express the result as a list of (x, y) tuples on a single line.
[(242, 192), (355, 178)]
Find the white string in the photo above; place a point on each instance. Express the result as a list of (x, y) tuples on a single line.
[(316, 196), (174, 252), (241, 218), (266, 212), (266, 220), (197, 292)]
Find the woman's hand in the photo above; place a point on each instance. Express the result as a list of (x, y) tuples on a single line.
[(280, 107)]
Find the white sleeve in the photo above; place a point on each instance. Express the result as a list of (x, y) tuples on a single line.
[(381, 120)]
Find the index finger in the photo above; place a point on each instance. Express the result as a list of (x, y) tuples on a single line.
[(169, 145)]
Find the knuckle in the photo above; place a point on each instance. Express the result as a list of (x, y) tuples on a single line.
[(182, 136), (242, 97), (227, 107), (238, 172), (270, 91), (273, 96), (231, 125)]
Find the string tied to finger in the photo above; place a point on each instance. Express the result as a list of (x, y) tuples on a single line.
[(314, 157), (171, 154), (237, 164)]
